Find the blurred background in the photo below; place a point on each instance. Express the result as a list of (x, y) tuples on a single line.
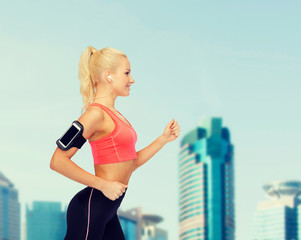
[(235, 62)]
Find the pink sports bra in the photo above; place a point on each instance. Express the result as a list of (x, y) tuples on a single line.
[(119, 145)]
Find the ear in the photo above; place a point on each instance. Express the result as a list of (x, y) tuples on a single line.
[(106, 75)]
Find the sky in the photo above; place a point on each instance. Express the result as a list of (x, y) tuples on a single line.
[(237, 60)]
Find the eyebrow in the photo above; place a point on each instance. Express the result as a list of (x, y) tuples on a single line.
[(128, 69)]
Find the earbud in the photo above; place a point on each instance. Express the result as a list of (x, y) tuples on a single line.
[(110, 77)]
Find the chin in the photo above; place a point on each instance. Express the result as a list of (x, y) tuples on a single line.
[(125, 94)]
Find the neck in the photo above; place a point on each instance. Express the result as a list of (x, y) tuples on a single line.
[(109, 104), (101, 97)]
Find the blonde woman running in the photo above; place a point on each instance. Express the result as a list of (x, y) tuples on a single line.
[(92, 213)]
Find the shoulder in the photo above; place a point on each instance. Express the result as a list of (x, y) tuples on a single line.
[(91, 119), (94, 112)]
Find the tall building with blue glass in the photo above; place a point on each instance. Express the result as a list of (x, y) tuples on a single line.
[(206, 183), (10, 220), (45, 221), (280, 217)]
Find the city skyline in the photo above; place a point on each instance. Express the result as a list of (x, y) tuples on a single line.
[(47, 219), (238, 61)]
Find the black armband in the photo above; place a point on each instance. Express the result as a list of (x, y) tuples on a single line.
[(72, 137)]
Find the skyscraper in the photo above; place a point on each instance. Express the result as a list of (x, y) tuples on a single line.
[(45, 221), (206, 183), (280, 217), (9, 210)]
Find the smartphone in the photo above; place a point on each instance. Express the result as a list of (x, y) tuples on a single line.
[(69, 135)]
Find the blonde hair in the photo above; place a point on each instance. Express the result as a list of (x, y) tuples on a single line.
[(91, 63)]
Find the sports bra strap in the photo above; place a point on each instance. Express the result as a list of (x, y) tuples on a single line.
[(106, 109)]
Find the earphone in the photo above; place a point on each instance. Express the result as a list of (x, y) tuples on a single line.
[(110, 77), (111, 89)]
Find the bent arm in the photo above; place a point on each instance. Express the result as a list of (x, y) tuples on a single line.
[(61, 160), (65, 166), (148, 152)]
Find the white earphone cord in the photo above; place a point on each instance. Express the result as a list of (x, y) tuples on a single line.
[(109, 92)]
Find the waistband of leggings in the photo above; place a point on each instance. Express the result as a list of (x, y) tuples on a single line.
[(90, 188)]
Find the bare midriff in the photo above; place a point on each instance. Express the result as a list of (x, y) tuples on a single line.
[(120, 171)]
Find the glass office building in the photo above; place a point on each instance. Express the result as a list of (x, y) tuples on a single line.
[(45, 221), (279, 218), (130, 222), (206, 183), (129, 227), (10, 220)]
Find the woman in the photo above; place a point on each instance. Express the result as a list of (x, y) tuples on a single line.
[(92, 212)]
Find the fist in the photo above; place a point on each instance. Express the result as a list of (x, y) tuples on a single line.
[(171, 131)]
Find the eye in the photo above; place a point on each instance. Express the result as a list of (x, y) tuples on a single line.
[(127, 72)]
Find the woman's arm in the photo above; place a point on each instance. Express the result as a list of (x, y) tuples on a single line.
[(171, 132), (61, 160), (146, 153), (65, 166)]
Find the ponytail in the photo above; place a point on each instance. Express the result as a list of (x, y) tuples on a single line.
[(92, 62), (87, 88)]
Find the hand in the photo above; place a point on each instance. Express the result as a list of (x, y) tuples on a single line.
[(171, 131), (113, 189)]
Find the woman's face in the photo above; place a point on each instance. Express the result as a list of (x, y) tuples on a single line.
[(122, 77)]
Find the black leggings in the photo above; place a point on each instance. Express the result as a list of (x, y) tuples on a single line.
[(93, 216)]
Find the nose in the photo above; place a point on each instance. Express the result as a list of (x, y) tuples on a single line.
[(132, 80)]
